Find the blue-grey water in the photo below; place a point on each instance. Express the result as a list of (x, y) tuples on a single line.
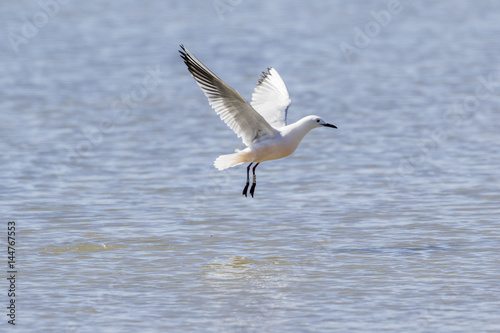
[(389, 223)]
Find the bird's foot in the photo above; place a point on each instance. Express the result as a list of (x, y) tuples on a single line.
[(245, 190), (252, 189)]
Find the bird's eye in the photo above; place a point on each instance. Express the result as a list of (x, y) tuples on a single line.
[(317, 120)]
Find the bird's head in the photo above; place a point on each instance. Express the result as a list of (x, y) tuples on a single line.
[(316, 121)]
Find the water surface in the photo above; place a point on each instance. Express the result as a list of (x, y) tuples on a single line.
[(389, 223)]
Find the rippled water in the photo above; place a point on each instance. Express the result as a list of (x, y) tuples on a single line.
[(389, 223)]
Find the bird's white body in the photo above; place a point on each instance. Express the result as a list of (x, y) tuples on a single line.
[(261, 124), (284, 143)]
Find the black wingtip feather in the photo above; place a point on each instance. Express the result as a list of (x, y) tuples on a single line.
[(184, 54), (264, 75)]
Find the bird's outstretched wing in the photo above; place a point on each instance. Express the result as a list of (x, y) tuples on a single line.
[(232, 108), (270, 98)]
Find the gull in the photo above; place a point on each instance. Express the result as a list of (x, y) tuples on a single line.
[(261, 125)]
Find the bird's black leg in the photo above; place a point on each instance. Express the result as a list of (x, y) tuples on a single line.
[(252, 189), (248, 180)]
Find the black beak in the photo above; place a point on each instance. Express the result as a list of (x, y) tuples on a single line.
[(330, 125)]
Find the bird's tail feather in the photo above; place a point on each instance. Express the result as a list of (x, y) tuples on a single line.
[(226, 161)]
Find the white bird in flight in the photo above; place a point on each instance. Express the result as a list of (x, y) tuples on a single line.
[(261, 124)]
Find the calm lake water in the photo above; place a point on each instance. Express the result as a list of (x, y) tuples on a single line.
[(389, 223)]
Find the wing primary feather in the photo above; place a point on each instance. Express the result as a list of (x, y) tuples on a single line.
[(270, 98), (231, 107)]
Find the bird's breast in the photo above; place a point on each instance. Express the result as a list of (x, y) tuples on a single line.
[(274, 149)]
